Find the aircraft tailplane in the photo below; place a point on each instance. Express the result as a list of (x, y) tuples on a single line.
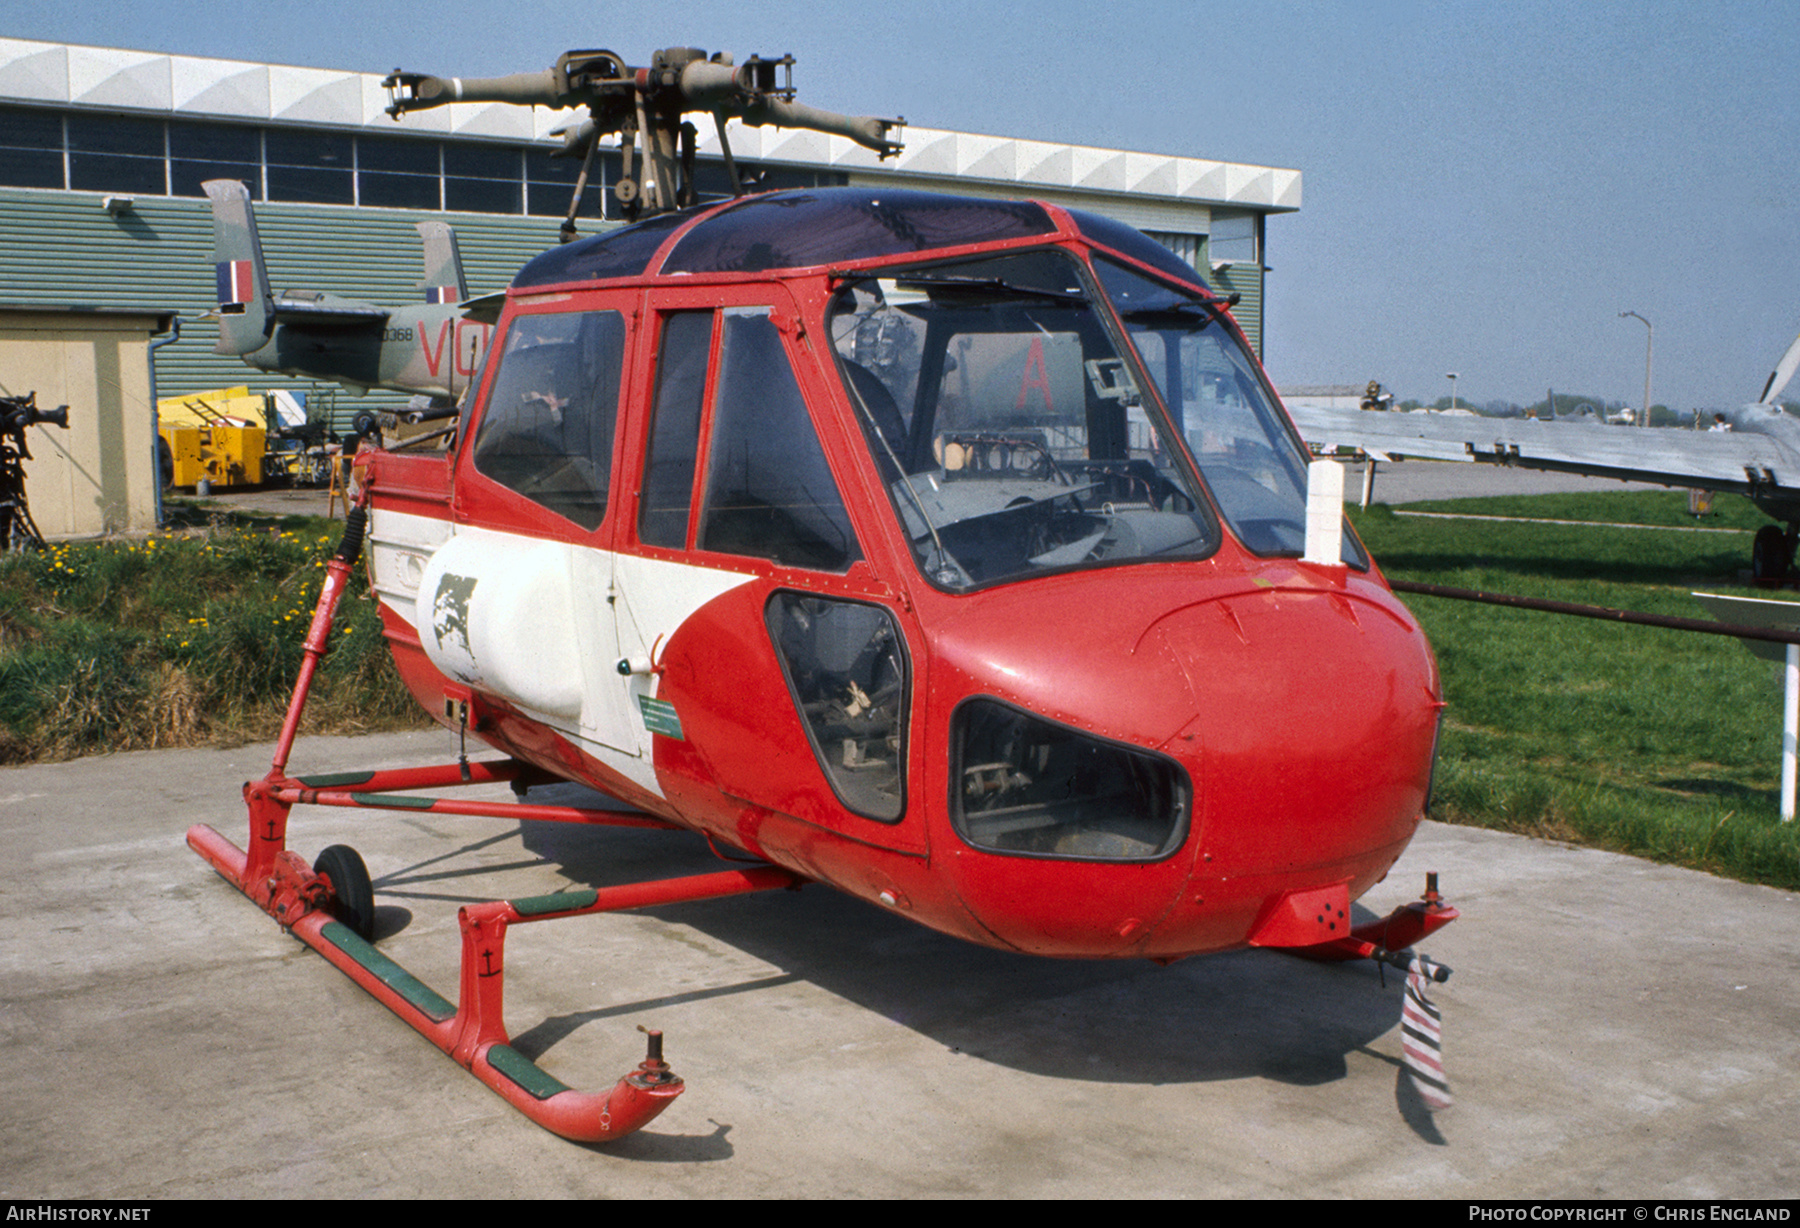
[(443, 264), (245, 310)]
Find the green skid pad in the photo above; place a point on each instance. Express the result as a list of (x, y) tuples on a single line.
[(525, 1072), (561, 901), (332, 780), (394, 801), (422, 996)]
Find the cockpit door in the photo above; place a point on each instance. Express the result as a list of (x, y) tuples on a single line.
[(529, 565), (746, 600)]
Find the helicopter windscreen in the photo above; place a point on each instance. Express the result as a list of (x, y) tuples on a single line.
[(1010, 431), (1253, 465)]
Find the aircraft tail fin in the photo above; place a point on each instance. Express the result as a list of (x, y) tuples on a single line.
[(1783, 372), (443, 264), (245, 309)]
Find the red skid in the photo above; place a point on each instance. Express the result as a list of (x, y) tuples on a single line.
[(474, 1031)]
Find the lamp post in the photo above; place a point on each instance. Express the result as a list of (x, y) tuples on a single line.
[(1451, 376), (1649, 349)]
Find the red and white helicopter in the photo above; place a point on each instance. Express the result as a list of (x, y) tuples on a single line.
[(945, 551)]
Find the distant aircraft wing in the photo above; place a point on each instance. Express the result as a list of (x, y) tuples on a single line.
[(1741, 461)]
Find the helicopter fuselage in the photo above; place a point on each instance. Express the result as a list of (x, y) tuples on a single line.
[(944, 551)]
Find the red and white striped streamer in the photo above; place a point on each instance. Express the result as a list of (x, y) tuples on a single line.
[(1422, 1041)]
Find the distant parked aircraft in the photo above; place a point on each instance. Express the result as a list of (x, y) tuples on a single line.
[(433, 347), (1758, 456)]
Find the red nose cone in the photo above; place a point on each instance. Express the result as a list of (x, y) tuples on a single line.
[(1316, 718), (1303, 713)]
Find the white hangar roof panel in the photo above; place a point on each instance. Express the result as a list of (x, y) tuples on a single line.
[(114, 79), (198, 86), (129, 80)]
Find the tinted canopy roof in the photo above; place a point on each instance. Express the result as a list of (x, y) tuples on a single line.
[(1135, 243), (795, 229)]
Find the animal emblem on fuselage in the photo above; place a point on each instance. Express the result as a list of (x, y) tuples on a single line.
[(450, 609)]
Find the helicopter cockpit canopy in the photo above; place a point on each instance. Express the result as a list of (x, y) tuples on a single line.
[(1017, 428)]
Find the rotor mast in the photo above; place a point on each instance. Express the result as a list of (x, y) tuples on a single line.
[(647, 109)]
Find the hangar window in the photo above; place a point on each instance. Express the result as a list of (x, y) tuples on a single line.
[(114, 153), (198, 152), (549, 182), (397, 173), (31, 148), (482, 178), (151, 157), (547, 432), (1233, 238), (312, 167)]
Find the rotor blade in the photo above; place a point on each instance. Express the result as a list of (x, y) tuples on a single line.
[(416, 91), (865, 130)]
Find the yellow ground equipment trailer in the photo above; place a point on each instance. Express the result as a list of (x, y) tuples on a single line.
[(216, 437)]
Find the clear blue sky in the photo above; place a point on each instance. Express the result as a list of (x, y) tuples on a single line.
[(1487, 185)]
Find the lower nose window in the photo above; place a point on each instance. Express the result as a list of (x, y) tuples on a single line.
[(1027, 785)]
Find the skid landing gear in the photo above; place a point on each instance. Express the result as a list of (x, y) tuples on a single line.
[(471, 1030), (330, 907)]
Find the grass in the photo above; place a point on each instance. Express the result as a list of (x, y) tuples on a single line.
[(187, 637), (1664, 744)]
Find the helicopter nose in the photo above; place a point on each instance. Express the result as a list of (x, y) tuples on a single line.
[(1316, 710), (1181, 778)]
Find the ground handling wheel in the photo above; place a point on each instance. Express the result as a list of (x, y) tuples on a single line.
[(1770, 560), (352, 895)]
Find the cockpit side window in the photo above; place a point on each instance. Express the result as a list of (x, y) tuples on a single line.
[(675, 429), (769, 492), (547, 431)]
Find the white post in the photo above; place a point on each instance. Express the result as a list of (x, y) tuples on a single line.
[(1368, 483), (1790, 732)]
